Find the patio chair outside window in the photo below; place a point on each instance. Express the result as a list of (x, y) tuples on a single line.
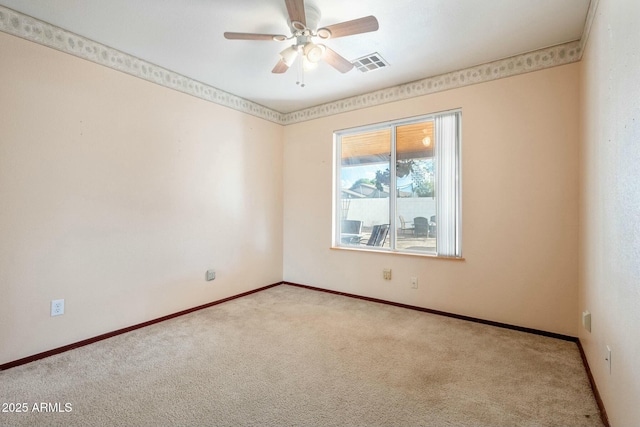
[(432, 226), (421, 226), (378, 235), (405, 226), (351, 231)]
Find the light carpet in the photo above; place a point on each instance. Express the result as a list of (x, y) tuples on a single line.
[(288, 356)]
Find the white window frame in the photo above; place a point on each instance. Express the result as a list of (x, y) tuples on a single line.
[(393, 220)]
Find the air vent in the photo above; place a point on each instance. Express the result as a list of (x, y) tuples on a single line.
[(371, 62)]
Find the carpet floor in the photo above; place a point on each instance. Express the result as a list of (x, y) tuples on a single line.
[(288, 356)]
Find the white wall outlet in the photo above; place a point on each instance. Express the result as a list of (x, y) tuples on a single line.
[(211, 275), (607, 358), (386, 274), (586, 320), (414, 282), (57, 307)]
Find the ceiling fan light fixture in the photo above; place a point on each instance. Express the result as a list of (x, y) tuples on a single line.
[(313, 52), (289, 55), (308, 65)]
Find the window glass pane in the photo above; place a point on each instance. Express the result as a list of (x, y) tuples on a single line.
[(364, 189), (415, 199), (398, 186)]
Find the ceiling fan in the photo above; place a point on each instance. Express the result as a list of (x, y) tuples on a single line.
[(303, 32)]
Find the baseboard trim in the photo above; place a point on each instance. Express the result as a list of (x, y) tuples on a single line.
[(88, 341), (443, 313), (596, 394)]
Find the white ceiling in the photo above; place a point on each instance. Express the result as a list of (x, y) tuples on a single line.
[(418, 38)]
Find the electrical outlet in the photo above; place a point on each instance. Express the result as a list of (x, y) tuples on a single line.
[(414, 282), (57, 307), (607, 358), (211, 275), (386, 274)]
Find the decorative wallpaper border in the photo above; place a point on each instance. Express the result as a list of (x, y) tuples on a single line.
[(520, 64), (46, 34)]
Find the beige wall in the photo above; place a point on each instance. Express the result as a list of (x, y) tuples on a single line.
[(117, 195), (610, 206), (520, 206)]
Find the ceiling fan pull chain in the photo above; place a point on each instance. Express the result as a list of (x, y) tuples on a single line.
[(300, 73)]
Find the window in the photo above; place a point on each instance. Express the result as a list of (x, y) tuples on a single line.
[(413, 207)]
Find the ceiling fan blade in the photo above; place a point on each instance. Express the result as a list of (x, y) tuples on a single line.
[(337, 61), (253, 36), (348, 28), (295, 8), (281, 67)]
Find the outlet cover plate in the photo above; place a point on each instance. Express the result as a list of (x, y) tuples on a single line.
[(211, 275), (586, 320), (57, 307)]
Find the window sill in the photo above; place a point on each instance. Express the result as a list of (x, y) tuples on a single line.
[(411, 254)]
